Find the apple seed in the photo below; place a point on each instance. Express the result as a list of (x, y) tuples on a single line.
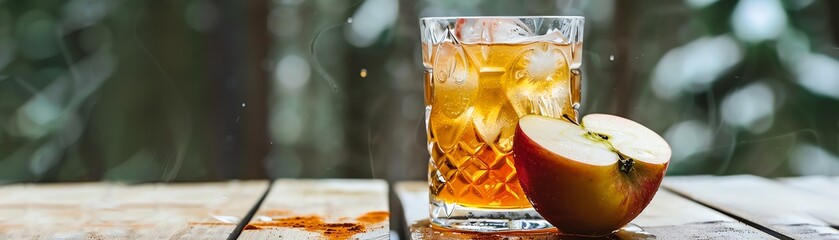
[(625, 164)]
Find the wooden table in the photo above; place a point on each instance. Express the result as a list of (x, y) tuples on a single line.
[(692, 207), (292, 209), (322, 209), (696, 207), (117, 211)]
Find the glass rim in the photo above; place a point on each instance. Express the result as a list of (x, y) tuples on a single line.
[(499, 17)]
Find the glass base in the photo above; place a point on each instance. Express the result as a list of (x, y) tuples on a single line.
[(458, 217)]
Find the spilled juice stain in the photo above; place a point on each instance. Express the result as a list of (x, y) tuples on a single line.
[(210, 223), (632, 231), (373, 217), (274, 212), (333, 231), (312, 224)]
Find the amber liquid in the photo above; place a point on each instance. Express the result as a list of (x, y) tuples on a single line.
[(474, 95)]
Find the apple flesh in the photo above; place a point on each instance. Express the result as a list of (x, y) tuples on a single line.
[(589, 179)]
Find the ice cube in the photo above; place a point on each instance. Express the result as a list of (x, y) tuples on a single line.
[(447, 131), (454, 90), (509, 31), (496, 126), (539, 82), (455, 84), (553, 35), (497, 30)]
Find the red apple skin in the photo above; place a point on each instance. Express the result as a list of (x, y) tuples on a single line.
[(582, 199)]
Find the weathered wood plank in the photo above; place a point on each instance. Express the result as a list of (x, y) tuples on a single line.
[(46, 211), (115, 211), (667, 217), (788, 210), (414, 198), (825, 185), (318, 209), (673, 217)]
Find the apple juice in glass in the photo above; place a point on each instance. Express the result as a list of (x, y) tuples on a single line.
[(481, 75)]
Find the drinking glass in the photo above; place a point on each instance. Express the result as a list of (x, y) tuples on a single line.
[(481, 75)]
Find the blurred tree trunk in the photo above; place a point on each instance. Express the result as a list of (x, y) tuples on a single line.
[(255, 117), (240, 87), (623, 80), (834, 20)]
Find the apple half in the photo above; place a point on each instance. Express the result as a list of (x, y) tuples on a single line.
[(589, 179)]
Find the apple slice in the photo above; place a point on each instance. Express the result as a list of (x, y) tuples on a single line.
[(588, 179)]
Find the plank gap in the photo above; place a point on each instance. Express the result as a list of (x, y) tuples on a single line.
[(738, 218), (247, 219)]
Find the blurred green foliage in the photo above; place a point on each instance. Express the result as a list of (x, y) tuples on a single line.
[(142, 90)]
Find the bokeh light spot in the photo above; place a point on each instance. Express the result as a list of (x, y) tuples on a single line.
[(700, 3), (292, 72), (692, 67), (688, 138), (746, 106), (371, 19), (818, 73), (758, 20), (808, 159)]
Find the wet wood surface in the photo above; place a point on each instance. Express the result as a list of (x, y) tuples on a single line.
[(795, 212), (690, 207), (117, 211), (701, 207), (822, 185), (322, 209)]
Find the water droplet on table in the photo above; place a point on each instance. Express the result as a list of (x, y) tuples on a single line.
[(632, 231)]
